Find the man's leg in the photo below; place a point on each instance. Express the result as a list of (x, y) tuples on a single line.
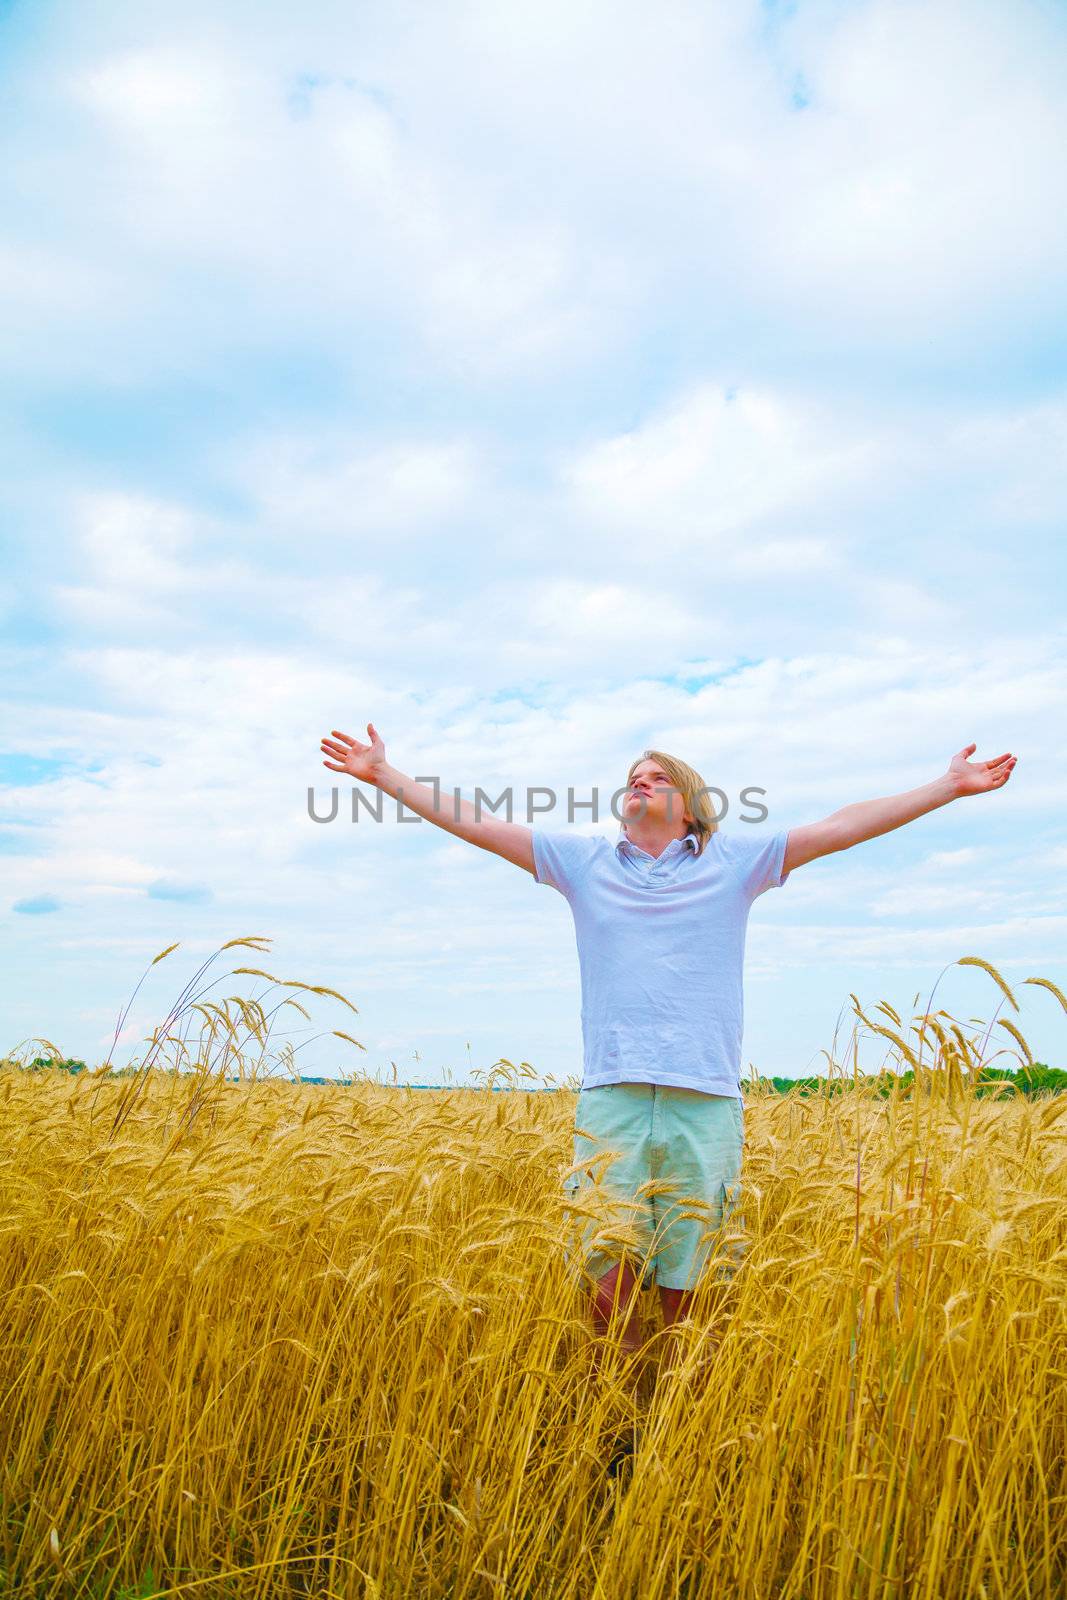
[(615, 1303), (616, 1297), (615, 1117), (675, 1304), (703, 1137)]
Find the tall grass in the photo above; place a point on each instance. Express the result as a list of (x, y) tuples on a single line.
[(265, 1338)]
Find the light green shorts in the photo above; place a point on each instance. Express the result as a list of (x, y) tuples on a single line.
[(657, 1170)]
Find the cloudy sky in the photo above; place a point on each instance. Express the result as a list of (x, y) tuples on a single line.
[(540, 382)]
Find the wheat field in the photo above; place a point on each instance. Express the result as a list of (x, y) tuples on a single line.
[(265, 1338)]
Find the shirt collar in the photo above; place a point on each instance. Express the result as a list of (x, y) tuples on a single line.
[(690, 842)]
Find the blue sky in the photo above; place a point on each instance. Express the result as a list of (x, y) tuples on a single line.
[(540, 383)]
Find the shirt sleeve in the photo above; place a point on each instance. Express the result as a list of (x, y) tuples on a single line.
[(759, 860), (562, 859)]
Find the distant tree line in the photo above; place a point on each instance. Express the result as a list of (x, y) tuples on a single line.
[(1031, 1080), (40, 1063)]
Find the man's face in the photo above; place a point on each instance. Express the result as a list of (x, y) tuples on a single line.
[(652, 797)]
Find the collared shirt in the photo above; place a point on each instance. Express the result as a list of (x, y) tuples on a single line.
[(661, 942), (625, 846)]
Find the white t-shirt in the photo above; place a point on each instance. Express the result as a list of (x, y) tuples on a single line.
[(661, 946)]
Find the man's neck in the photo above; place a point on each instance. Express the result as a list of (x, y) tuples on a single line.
[(654, 840)]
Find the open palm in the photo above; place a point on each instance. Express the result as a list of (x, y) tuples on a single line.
[(363, 761), (976, 777)]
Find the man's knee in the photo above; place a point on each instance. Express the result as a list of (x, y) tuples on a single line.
[(676, 1304), (616, 1291)]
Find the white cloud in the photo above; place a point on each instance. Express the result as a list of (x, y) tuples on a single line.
[(1015, 942), (336, 210), (134, 541), (921, 176), (714, 463), (948, 859), (488, 189), (921, 900), (902, 603), (170, 89), (331, 487), (138, 563), (578, 620), (782, 557), (1017, 460)]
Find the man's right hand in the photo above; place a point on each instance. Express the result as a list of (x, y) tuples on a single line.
[(363, 761), (509, 840)]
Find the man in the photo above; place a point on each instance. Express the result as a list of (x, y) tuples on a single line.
[(660, 919)]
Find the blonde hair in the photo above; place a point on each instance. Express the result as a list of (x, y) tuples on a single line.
[(692, 788)]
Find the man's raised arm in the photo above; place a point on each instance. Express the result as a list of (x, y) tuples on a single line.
[(367, 763), (869, 818)]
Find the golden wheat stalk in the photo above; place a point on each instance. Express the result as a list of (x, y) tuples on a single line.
[(1002, 1022), (1046, 983), (986, 966)]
